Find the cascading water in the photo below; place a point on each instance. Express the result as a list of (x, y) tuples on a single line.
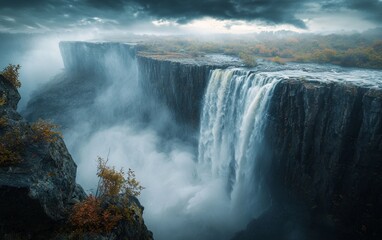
[(231, 140)]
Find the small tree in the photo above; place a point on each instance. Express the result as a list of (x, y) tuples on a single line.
[(11, 73), (111, 204)]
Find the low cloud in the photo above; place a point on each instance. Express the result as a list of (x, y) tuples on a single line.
[(49, 15)]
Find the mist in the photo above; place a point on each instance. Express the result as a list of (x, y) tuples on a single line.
[(132, 130), (38, 55)]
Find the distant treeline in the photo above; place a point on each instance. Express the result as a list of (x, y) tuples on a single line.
[(354, 50)]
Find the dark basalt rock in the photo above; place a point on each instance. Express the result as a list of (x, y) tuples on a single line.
[(37, 194), (179, 83), (325, 145), (64, 98)]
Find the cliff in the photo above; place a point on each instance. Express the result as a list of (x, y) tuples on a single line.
[(319, 142), (38, 191), (325, 144), (91, 56), (176, 82), (94, 68), (37, 181)]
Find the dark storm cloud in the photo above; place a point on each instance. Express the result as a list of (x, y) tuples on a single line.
[(23, 3), (372, 9), (47, 15), (67, 14), (271, 11)]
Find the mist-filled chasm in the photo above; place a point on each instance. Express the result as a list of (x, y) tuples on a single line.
[(197, 182), (203, 182)]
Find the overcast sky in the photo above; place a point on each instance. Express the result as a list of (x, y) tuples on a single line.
[(172, 16)]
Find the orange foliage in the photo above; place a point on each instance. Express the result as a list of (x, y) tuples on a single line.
[(11, 73), (111, 181), (133, 187), (103, 212), (89, 217), (46, 131)]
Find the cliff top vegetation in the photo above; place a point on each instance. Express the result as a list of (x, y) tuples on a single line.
[(354, 50), (11, 73), (16, 138)]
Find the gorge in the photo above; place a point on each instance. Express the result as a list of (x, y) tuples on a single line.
[(297, 147)]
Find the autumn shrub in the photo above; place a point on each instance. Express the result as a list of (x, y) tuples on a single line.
[(8, 157), (277, 60), (101, 213), (111, 181), (11, 73), (15, 140), (248, 59), (89, 217), (44, 130), (11, 145)]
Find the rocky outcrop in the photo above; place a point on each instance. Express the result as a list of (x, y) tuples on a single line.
[(325, 143), (37, 192), (37, 183)]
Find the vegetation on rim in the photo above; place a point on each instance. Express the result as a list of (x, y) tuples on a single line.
[(14, 138), (112, 204), (356, 50), (11, 73)]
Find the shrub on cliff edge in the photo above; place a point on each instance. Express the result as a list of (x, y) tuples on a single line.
[(45, 131), (15, 140), (101, 214), (11, 73)]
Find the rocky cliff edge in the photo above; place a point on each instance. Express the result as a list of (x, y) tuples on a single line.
[(37, 180)]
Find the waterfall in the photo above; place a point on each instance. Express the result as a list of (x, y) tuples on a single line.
[(231, 144)]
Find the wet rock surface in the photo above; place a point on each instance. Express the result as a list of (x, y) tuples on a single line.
[(325, 143), (178, 85)]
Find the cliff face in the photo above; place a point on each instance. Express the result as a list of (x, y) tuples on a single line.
[(180, 86), (325, 145), (323, 139), (91, 57), (37, 192), (38, 182)]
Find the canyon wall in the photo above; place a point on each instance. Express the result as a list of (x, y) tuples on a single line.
[(325, 141), (177, 85), (321, 140)]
